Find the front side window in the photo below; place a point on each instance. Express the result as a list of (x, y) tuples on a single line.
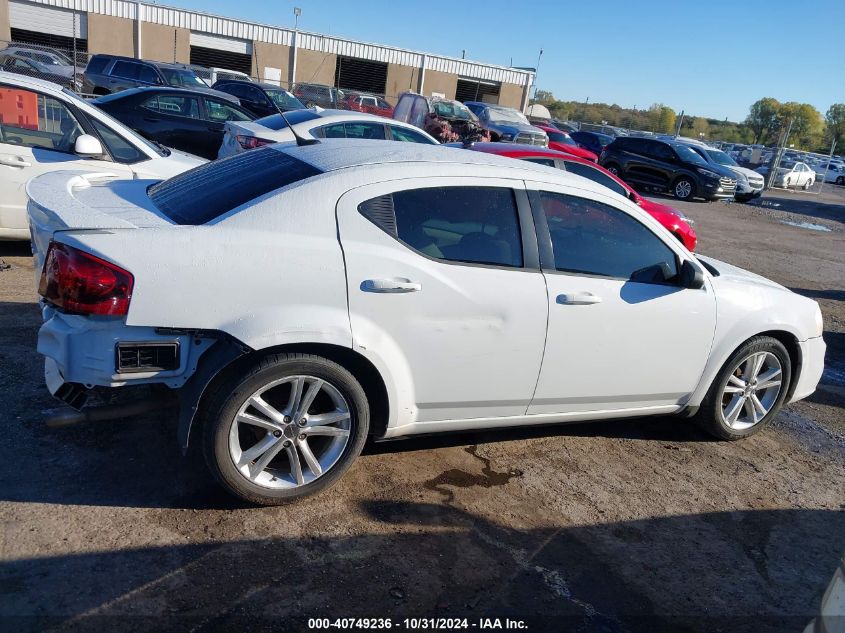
[(219, 111), (121, 150), (409, 136), (31, 119), (477, 225), (147, 75), (593, 238), (596, 176)]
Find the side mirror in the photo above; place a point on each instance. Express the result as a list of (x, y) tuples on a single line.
[(691, 276), (87, 145)]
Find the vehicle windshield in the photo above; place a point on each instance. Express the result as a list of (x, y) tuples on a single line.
[(721, 158), (452, 110), (284, 99), (560, 137), (502, 115), (787, 164), (119, 128), (182, 78), (690, 155)]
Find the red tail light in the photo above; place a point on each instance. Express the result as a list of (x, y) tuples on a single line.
[(80, 283), (251, 142)]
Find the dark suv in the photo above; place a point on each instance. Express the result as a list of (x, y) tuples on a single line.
[(319, 95), (259, 98), (111, 73), (667, 166)]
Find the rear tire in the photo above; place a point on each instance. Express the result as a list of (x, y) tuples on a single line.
[(739, 403), (289, 428), (840, 180), (808, 184)]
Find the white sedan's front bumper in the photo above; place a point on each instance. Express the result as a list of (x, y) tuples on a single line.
[(812, 356)]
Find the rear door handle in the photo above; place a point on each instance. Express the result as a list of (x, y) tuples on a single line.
[(398, 285), (14, 161), (578, 299)]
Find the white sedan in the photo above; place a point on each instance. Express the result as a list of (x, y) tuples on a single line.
[(350, 289), (54, 129), (316, 123), (795, 174)]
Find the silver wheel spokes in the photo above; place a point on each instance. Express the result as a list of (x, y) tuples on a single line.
[(290, 432), (683, 189), (751, 390)]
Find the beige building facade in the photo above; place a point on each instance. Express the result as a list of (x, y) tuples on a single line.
[(270, 53)]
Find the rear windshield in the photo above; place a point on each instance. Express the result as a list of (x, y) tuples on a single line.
[(276, 122), (211, 190)]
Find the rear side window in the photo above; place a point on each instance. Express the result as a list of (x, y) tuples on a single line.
[(476, 225), (126, 70), (548, 162), (147, 74), (592, 238), (97, 65), (207, 192)]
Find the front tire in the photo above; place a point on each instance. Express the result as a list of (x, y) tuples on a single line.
[(289, 428), (840, 180), (683, 188), (748, 391)]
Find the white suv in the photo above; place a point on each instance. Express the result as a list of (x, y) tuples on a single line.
[(300, 299), (51, 128)]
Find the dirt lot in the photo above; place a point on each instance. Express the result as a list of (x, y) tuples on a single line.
[(637, 525)]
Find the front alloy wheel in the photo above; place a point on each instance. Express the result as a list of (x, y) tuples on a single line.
[(683, 189), (748, 391), (751, 390), (287, 429)]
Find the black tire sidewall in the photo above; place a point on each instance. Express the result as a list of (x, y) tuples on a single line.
[(710, 414), (223, 408)]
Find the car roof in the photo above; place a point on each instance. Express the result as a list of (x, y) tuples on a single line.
[(335, 154), (26, 80), (504, 149), (152, 62), (249, 82), (130, 92)]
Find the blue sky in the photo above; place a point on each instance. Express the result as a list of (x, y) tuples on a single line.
[(710, 58)]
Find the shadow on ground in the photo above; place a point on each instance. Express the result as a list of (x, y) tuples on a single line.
[(738, 571)]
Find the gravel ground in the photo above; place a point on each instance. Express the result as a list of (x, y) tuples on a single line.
[(637, 525)]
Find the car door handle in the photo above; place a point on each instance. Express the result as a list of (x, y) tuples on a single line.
[(578, 299), (390, 285), (14, 161)]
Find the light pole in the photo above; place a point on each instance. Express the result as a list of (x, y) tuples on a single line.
[(537, 72), (296, 13)]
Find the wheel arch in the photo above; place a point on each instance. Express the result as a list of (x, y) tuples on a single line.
[(789, 341), (225, 367)]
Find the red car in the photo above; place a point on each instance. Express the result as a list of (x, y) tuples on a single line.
[(371, 104), (562, 142), (679, 225)]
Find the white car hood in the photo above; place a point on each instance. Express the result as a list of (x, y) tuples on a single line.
[(748, 173), (733, 274), (163, 167)]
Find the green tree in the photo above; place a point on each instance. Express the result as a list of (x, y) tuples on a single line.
[(807, 124), (763, 119), (544, 97), (662, 118), (835, 119)]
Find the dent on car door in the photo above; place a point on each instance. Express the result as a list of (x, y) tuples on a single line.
[(444, 290), (39, 138), (623, 334)]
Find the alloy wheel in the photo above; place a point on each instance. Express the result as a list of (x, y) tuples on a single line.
[(290, 432), (751, 390), (683, 189)]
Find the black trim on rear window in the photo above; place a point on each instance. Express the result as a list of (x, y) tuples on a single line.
[(277, 121), (211, 190)]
